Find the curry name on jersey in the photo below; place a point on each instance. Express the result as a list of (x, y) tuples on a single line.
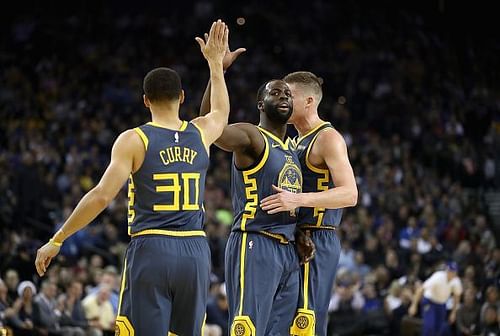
[(167, 191)]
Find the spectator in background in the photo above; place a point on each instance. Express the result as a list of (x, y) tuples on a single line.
[(489, 324), (72, 312), (109, 278), (217, 310), (468, 314), (46, 313), (99, 310), (12, 282), (433, 295), (24, 308)]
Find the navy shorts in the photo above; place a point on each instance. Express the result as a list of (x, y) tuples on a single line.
[(164, 286), (262, 283)]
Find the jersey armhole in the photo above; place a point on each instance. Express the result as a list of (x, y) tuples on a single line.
[(257, 165), (143, 137), (202, 136), (308, 163)]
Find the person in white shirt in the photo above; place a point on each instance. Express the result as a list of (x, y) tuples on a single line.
[(435, 292)]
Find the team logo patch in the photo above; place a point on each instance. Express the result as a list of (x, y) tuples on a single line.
[(242, 326), (290, 177), (303, 323), (239, 329)]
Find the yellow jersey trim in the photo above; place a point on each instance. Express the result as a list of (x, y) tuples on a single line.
[(242, 270), (276, 236), (122, 286), (284, 145), (310, 132), (322, 183), (143, 136), (202, 135), (306, 284), (181, 128), (251, 186), (192, 233), (315, 226)]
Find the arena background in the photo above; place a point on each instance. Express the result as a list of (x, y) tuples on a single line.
[(414, 89)]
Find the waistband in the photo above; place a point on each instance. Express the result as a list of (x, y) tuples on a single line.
[(314, 227), (275, 236), (172, 233)]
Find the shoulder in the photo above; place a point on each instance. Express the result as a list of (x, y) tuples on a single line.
[(330, 143), (330, 137), (130, 137)]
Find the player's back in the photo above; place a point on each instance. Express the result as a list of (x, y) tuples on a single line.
[(167, 192), (278, 165), (315, 180)]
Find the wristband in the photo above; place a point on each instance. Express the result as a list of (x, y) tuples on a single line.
[(53, 242)]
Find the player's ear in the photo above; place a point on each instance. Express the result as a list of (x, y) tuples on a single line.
[(147, 103), (181, 97), (309, 100), (260, 105)]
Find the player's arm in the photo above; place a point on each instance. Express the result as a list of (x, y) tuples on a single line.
[(333, 149), (125, 148), (233, 137)]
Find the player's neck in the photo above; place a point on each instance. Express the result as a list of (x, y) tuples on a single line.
[(277, 129), (305, 123), (166, 119)]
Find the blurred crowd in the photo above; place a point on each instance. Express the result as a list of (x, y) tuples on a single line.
[(417, 105)]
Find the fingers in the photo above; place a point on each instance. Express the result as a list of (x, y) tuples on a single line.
[(200, 42), (277, 189), (206, 37), (239, 51), (271, 204), (268, 199), (225, 39)]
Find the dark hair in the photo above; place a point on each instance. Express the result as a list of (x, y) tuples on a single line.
[(162, 84), (262, 88)]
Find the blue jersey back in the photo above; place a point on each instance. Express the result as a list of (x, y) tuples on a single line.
[(167, 191), (315, 180), (279, 165)]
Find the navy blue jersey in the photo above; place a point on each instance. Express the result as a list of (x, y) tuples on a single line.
[(279, 165), (315, 179), (167, 191)]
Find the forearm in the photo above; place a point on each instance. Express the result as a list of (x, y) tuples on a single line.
[(219, 98), (205, 101), (91, 205), (335, 198)]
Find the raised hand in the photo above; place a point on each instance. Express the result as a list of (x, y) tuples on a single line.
[(216, 44), (230, 56)]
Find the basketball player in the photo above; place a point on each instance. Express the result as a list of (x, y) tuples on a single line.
[(261, 266), (165, 280), (329, 185)]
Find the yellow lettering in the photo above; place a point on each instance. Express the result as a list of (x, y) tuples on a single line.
[(193, 155), (177, 151), (170, 154), (162, 156), (185, 156)]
